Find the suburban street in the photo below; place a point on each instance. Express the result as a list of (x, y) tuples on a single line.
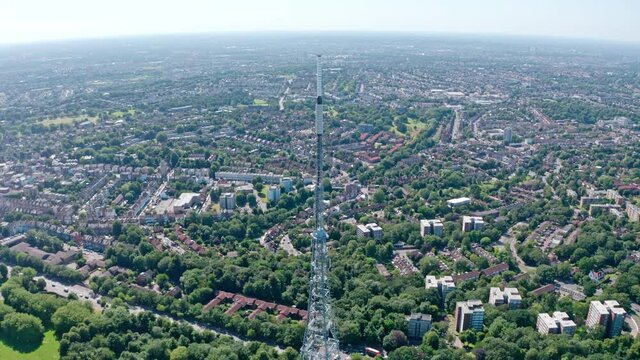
[(86, 294), (510, 240)]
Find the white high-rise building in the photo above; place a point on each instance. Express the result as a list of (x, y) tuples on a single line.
[(431, 227), (469, 315), (509, 296), (287, 184), (508, 136), (369, 230), (227, 201), (273, 194), (471, 223), (445, 285), (559, 323), (608, 314)]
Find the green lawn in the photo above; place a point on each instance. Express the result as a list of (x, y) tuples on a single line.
[(414, 128), (260, 102), (68, 120), (49, 350), (119, 114)]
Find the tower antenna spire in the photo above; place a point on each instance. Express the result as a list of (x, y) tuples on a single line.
[(320, 341)]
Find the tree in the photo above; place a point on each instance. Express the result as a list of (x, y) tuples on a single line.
[(407, 353), (379, 196), (394, 340), (68, 316), (241, 199), (5, 310), (161, 137), (22, 328), (4, 271), (252, 200), (116, 228), (179, 353), (431, 340)]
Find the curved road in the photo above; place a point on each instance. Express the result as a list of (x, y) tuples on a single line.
[(510, 240)]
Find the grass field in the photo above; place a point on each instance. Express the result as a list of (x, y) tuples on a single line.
[(47, 351), (414, 128), (260, 102), (119, 114), (68, 120)]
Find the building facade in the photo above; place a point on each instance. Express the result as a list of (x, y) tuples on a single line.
[(444, 285), (471, 223), (469, 315), (418, 325), (609, 315), (559, 323), (509, 296), (227, 201), (431, 227)]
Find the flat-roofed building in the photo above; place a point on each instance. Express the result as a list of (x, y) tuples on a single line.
[(369, 230), (362, 231), (444, 285), (274, 193), (585, 201), (431, 227), (287, 184), (469, 315), (227, 201), (471, 223), (609, 315), (509, 296), (559, 323), (418, 325), (458, 202), (633, 212)]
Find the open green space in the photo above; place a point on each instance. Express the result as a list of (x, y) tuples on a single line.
[(414, 128), (68, 120), (260, 102), (48, 350), (119, 114)]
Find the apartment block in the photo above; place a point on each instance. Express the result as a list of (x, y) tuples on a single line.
[(287, 184), (227, 201), (585, 201), (369, 230), (469, 315), (471, 223), (274, 194), (633, 212), (431, 227), (418, 325), (509, 296), (445, 285), (609, 315), (559, 323)]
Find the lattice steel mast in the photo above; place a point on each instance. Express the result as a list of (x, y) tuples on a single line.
[(320, 342)]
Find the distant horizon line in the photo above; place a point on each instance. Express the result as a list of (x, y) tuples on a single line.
[(262, 33)]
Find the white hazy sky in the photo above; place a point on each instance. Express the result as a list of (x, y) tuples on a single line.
[(39, 20)]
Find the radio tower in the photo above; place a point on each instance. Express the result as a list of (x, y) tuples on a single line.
[(320, 342)]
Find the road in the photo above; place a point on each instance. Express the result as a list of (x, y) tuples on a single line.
[(510, 240), (456, 132), (633, 320), (281, 101), (202, 327), (83, 292), (86, 294)]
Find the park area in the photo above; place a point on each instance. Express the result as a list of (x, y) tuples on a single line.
[(48, 350)]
